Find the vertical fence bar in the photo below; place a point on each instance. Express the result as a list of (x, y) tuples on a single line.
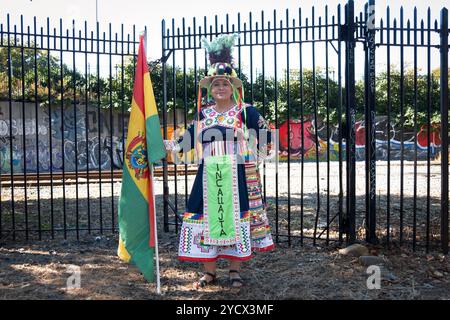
[(52, 218), (251, 58), (389, 107), (122, 91), (288, 85), (350, 120), (370, 125), (196, 106), (302, 168), (185, 98), (111, 130), (36, 111), (185, 106), (227, 23), (316, 129), (11, 136), (263, 70), (205, 32), (415, 132), (239, 43), (216, 25), (74, 76), (24, 148), (86, 98), (175, 88), (62, 125), (10, 75), (174, 93), (340, 129), (327, 103), (165, 175), (276, 114), (1, 207), (402, 120), (122, 104), (444, 130), (167, 46), (99, 124), (366, 123), (427, 238)]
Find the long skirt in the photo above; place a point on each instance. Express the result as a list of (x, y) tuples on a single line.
[(254, 227)]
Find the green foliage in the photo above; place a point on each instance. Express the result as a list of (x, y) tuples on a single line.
[(303, 94), (307, 94), (185, 94), (408, 97)]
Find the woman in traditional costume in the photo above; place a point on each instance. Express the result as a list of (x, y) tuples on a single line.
[(225, 215)]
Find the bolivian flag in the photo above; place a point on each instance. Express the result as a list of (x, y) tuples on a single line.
[(144, 147)]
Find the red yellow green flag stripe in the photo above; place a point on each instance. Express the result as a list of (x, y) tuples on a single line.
[(144, 147)]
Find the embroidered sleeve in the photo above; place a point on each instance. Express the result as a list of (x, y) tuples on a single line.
[(186, 142), (259, 127), (171, 145)]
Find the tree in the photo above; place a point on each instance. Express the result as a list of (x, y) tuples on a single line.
[(117, 92)]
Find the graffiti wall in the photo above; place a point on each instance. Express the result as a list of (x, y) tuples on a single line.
[(327, 139), (92, 139)]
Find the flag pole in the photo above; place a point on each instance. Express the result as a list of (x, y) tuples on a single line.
[(158, 278)]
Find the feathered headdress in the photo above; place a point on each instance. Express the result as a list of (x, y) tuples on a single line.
[(219, 49), (221, 66), (220, 57)]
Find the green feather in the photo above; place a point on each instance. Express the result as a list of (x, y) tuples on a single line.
[(220, 43)]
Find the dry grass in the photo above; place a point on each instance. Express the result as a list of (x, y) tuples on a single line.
[(38, 269)]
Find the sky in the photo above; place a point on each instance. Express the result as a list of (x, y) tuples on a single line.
[(143, 13)]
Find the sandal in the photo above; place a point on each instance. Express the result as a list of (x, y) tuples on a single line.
[(236, 282), (203, 282)]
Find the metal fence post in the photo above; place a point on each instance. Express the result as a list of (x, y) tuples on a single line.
[(164, 161), (350, 114), (370, 124), (444, 130)]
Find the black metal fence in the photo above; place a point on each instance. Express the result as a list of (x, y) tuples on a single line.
[(320, 189)]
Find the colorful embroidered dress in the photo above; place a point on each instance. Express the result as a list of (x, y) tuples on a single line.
[(250, 230)]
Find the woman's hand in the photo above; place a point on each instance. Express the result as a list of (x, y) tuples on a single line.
[(171, 145), (266, 153)]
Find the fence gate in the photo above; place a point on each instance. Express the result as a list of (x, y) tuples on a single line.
[(361, 110)]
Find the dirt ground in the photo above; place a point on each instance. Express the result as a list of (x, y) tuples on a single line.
[(40, 269)]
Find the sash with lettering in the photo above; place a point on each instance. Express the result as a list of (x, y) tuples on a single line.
[(221, 200)]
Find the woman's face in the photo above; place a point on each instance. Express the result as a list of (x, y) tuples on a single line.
[(221, 90)]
